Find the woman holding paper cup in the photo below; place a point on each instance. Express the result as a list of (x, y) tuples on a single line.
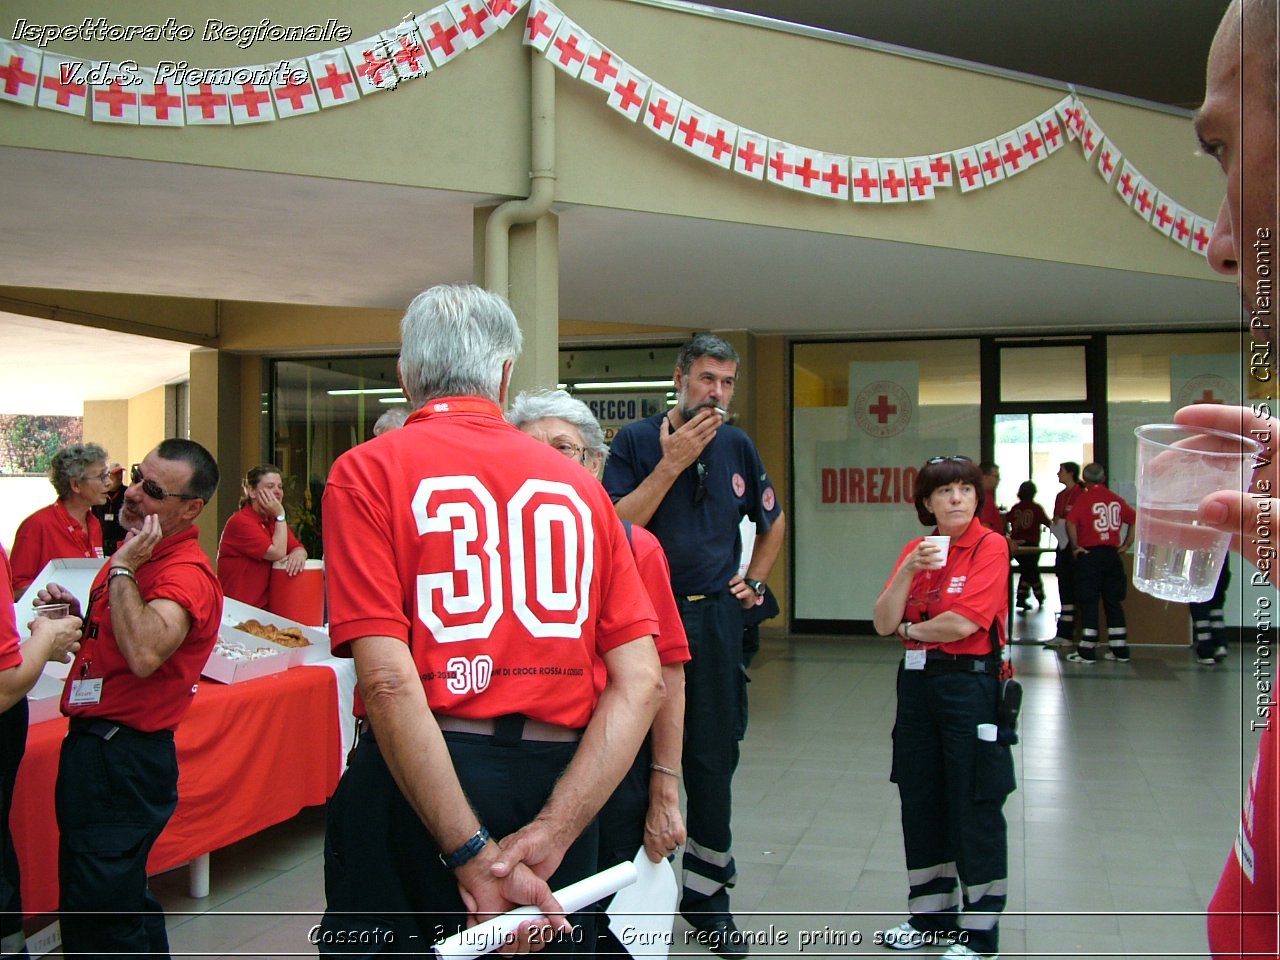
[(948, 601)]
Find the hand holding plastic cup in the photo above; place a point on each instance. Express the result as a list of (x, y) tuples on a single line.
[(53, 611), (943, 543), (1177, 557)]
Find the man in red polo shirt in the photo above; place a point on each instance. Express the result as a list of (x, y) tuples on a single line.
[(153, 617), (1093, 527)]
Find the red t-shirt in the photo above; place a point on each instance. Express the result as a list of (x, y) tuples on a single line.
[(1249, 879), (1065, 500), (498, 560), (990, 515), (50, 534), (179, 571), (10, 655), (1025, 518), (974, 583), (1098, 515), (244, 574)]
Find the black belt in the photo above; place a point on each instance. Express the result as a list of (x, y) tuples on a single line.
[(508, 728), (938, 662), (106, 729)]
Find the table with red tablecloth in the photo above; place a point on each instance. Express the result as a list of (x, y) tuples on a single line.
[(250, 755)]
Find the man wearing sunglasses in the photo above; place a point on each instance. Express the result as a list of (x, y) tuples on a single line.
[(690, 478), (152, 620)]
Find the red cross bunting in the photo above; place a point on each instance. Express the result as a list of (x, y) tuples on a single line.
[(882, 409), (940, 167), (834, 178), (778, 164), (116, 97), (537, 27), (161, 100), (1088, 140), (865, 181), (373, 65), (473, 20), (920, 180), (660, 111), (749, 156), (443, 38), (603, 66), (250, 97), (689, 127), (1182, 228), (1126, 184), (991, 165), (1012, 156), (627, 94), (1107, 163), (1052, 133), (410, 52), (66, 89), (501, 8), (334, 82), (1162, 214), (969, 172), (1143, 200), (15, 78), (1200, 238), (295, 93), (568, 48), (891, 182), (718, 145), (807, 172), (1032, 144)]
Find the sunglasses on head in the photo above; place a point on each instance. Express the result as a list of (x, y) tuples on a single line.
[(955, 456), (153, 489)]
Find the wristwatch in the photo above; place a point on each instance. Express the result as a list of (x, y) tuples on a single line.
[(467, 851), (280, 519), (756, 585)]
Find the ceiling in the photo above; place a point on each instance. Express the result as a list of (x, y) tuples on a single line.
[(695, 273)]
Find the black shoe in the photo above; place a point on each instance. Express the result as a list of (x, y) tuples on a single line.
[(722, 937)]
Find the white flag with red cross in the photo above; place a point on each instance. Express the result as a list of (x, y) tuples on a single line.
[(691, 128), (296, 96), (919, 178), (1090, 138), (661, 111), (503, 11), (440, 35), (1127, 182), (780, 164), (568, 48), (968, 172), (408, 51), (720, 140), (990, 162), (540, 27), (940, 168), (864, 179), (115, 101), (64, 84), (750, 153), (893, 180), (1066, 111), (475, 23), (628, 92), (1050, 131), (1011, 153), (1031, 140), (807, 175), (1183, 225), (1144, 198), (207, 104), (371, 63), (1162, 214), (833, 174), (1201, 231), (19, 73), (335, 81), (251, 102), (159, 104), (602, 67), (1108, 160)]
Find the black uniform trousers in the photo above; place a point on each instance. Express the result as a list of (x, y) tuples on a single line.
[(387, 891), (715, 720), (1064, 568), (1207, 618), (953, 787), (13, 744), (1100, 574), (116, 790)]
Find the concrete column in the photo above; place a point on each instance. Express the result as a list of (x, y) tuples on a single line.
[(215, 424)]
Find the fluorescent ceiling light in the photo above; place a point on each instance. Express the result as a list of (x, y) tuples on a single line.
[(400, 399), (368, 390), (625, 385)]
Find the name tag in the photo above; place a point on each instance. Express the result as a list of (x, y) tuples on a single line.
[(915, 660), (86, 691)]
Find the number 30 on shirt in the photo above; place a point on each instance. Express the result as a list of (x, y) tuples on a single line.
[(543, 539), (1106, 518)]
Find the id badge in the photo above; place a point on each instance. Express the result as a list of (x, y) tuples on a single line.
[(915, 660), (85, 691)]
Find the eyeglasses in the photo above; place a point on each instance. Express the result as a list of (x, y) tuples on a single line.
[(104, 477), (700, 483), (955, 456), (571, 450), (153, 489)]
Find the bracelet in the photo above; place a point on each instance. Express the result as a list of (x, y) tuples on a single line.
[(467, 851), (667, 770), (120, 572)]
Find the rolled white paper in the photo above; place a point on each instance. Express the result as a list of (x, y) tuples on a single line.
[(488, 936)]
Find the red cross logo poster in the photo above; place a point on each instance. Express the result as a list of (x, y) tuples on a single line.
[(883, 409), (1208, 378)]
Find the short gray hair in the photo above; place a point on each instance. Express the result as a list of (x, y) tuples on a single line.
[(1095, 473), (454, 339), (72, 462), (391, 419), (533, 405)]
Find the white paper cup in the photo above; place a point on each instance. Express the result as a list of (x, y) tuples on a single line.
[(987, 732), (944, 547), (1177, 558)]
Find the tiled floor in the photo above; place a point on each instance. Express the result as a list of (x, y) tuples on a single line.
[(1127, 804)]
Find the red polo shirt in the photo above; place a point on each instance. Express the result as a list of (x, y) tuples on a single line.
[(244, 574), (51, 534)]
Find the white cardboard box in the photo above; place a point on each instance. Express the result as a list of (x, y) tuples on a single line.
[(75, 574), (225, 670), (234, 611), (44, 699)]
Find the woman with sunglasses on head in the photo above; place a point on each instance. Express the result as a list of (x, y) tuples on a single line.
[(951, 759), (255, 537), (67, 527)]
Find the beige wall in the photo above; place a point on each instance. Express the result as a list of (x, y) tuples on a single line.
[(106, 423), (146, 423)]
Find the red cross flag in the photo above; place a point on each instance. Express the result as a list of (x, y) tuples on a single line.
[(542, 23), (602, 67), (207, 104), (990, 163), (502, 11), (864, 179), (691, 128), (1201, 231), (1144, 198), (834, 176), (1050, 130), (159, 104), (440, 35), (1031, 140), (335, 81), (372, 65), (1163, 214), (569, 47), (117, 100), (1090, 138), (967, 170), (893, 181), (1012, 156), (251, 103), (63, 84), (1066, 111), (628, 92), (661, 111), (941, 170), (407, 50), (296, 96), (1108, 160), (1182, 226), (919, 178), (19, 73), (475, 24), (720, 141), (750, 153), (807, 175), (780, 164), (1127, 182)]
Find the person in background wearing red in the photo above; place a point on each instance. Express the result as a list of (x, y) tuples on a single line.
[(67, 527), (255, 537), (1093, 527), (1064, 565), (991, 517), (20, 668), (1025, 519)]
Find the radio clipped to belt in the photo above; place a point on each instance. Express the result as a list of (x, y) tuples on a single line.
[(1009, 697)]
